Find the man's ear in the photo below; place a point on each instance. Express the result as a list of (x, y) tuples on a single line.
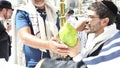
[(105, 21), (4, 10)]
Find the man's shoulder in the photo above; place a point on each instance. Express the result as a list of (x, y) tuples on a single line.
[(22, 12), (116, 36), (114, 39)]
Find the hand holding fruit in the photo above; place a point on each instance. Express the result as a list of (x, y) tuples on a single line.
[(73, 51)]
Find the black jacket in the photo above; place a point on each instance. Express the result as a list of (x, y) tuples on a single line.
[(5, 47)]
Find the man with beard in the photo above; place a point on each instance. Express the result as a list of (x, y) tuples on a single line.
[(103, 46), (5, 43)]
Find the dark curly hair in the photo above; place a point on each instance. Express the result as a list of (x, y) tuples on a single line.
[(105, 9)]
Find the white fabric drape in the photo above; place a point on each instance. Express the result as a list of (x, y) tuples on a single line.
[(17, 49)]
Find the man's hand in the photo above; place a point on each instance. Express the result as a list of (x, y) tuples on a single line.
[(58, 47), (80, 26), (75, 50)]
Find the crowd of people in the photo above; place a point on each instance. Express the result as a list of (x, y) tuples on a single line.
[(37, 25)]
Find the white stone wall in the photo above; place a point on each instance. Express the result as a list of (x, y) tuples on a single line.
[(117, 2)]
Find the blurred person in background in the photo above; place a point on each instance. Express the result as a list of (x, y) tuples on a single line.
[(5, 42)]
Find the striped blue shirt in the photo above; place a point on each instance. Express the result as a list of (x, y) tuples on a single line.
[(108, 55)]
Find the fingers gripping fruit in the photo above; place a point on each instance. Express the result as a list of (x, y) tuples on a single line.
[(68, 35)]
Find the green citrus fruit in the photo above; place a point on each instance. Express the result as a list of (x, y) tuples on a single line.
[(68, 35)]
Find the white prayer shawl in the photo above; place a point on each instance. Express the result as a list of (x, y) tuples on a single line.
[(29, 8), (94, 42), (109, 56), (38, 23)]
